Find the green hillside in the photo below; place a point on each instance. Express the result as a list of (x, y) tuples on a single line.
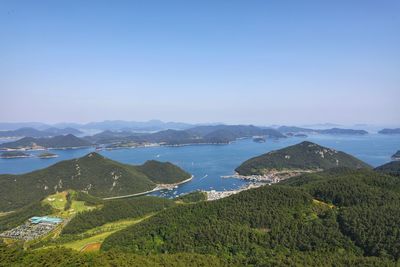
[(192, 197), (18, 217), (314, 214), (390, 168), (369, 206), (303, 156), (343, 216), (242, 225), (338, 217), (93, 173), (114, 210), (163, 172)]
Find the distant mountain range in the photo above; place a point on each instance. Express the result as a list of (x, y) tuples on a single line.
[(93, 173), (157, 125), (131, 134), (32, 132), (303, 156), (115, 125)]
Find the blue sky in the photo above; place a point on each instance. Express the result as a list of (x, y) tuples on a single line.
[(263, 62)]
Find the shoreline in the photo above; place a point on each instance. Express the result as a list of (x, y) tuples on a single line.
[(272, 177), (42, 148), (159, 187), (17, 157)]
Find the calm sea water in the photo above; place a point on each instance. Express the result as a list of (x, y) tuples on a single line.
[(209, 162)]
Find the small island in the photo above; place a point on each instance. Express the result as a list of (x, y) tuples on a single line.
[(14, 154), (47, 155), (259, 139), (390, 131), (301, 135)]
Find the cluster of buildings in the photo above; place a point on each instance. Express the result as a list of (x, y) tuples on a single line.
[(214, 195), (34, 228)]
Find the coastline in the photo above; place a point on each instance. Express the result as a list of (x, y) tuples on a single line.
[(272, 176), (17, 157), (43, 148), (159, 187)]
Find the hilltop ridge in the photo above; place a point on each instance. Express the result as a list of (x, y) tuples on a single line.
[(303, 156)]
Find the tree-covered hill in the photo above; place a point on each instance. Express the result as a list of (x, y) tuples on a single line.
[(60, 141), (163, 172), (93, 173), (193, 197), (114, 210), (242, 225), (19, 216), (338, 217), (390, 168), (302, 156), (369, 206), (322, 213), (14, 255)]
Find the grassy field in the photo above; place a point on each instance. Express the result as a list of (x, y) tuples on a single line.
[(58, 202), (94, 237), (5, 213)]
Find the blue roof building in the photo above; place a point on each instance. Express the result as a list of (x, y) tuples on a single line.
[(45, 219)]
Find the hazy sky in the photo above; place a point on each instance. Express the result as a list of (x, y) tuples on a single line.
[(260, 62)]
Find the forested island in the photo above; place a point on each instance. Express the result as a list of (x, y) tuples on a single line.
[(334, 131), (390, 131), (58, 142), (303, 157), (14, 154), (47, 155), (217, 134)]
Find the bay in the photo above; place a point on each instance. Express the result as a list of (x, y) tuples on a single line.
[(208, 163)]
